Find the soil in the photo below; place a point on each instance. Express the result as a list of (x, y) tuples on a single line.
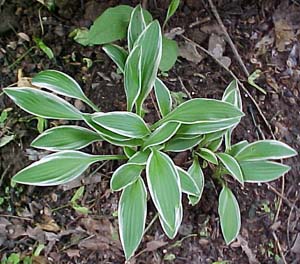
[(265, 34)]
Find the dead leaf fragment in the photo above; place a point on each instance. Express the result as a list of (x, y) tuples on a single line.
[(97, 243), (216, 46), (188, 51), (154, 245)]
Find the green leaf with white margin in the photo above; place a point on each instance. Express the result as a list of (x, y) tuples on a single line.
[(43, 104), (232, 166), (136, 26), (150, 42), (236, 148), (129, 151), (208, 126), (171, 10), (264, 150), (230, 216), (171, 233), (201, 110), (132, 212), (140, 157), (169, 54), (61, 83), (207, 155), (232, 95), (132, 77), (65, 138), (163, 97), (161, 134), (125, 175), (262, 171), (215, 144), (196, 173), (188, 184), (123, 123), (59, 168), (182, 142), (164, 187), (109, 136), (117, 54)]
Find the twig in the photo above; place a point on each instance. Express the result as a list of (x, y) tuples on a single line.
[(16, 217), (279, 247), (280, 199), (155, 105), (151, 223), (229, 40), (238, 81), (283, 197), (183, 88)]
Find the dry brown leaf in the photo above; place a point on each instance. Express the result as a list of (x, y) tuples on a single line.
[(24, 36), (154, 245), (98, 243), (286, 21), (188, 51), (48, 224), (72, 253)]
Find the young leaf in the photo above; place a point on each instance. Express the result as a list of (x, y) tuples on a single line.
[(132, 212), (201, 110), (232, 166), (172, 9), (136, 26), (129, 151), (150, 42), (230, 216), (140, 157), (169, 54), (132, 77), (188, 184), (164, 187), (163, 97), (41, 45), (123, 123), (43, 104), (236, 148), (61, 83), (208, 126), (182, 143), (262, 171), (171, 233), (125, 175), (207, 155), (161, 134), (59, 168), (232, 95), (117, 54), (65, 138), (196, 173), (265, 149), (253, 76)]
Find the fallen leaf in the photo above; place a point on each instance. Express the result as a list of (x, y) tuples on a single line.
[(247, 250), (98, 243), (48, 224), (154, 245), (296, 246), (188, 51), (24, 36), (216, 46), (72, 253)]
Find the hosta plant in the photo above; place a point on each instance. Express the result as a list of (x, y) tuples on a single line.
[(198, 125)]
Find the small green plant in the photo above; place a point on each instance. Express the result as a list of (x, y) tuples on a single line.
[(101, 32), (199, 125)]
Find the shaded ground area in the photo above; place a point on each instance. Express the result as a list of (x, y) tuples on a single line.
[(266, 33)]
